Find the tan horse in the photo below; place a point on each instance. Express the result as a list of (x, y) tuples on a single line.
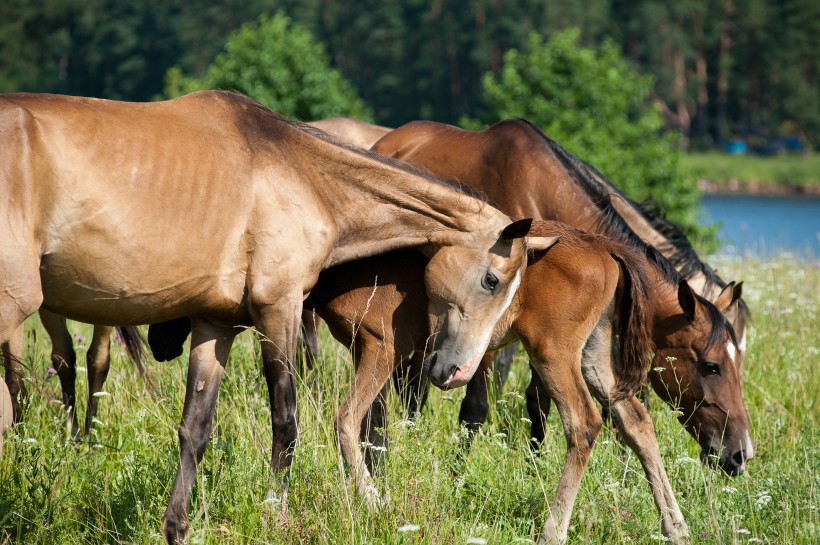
[(64, 360), (519, 167), (213, 207), (585, 300)]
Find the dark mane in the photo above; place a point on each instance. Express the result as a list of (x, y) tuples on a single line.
[(260, 109), (683, 255), (610, 222), (716, 318)]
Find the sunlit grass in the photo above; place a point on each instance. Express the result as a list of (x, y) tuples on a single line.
[(114, 487)]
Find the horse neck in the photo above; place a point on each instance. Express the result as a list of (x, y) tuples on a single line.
[(379, 206)]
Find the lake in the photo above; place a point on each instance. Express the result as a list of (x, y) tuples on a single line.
[(766, 224)]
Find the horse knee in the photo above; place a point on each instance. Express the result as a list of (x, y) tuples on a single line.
[(473, 412)]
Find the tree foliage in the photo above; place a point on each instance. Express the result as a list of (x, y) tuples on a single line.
[(590, 101), (283, 66)]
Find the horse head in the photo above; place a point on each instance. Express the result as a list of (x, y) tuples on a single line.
[(697, 370)]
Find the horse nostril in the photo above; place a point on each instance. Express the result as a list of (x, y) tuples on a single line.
[(738, 458)]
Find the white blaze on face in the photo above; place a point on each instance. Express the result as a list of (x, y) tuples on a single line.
[(730, 348), (748, 448), (742, 345)]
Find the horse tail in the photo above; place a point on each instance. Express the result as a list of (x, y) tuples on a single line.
[(135, 345), (633, 322)]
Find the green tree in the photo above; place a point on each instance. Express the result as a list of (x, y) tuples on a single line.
[(281, 65), (597, 107)]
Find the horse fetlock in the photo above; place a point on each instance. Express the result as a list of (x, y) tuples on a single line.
[(371, 495)]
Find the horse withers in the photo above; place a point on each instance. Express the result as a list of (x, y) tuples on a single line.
[(211, 206)]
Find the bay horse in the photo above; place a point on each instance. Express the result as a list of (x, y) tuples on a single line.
[(527, 174), (213, 207), (584, 314), (64, 362)]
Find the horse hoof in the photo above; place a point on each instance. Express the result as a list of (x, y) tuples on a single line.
[(372, 499), (175, 531)]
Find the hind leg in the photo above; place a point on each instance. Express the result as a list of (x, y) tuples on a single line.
[(64, 360), (98, 362), (635, 426), (210, 346)]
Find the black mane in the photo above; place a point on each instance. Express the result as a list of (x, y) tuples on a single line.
[(610, 222)]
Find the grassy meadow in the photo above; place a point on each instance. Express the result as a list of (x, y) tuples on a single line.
[(114, 487)]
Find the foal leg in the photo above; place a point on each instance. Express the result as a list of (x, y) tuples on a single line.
[(12, 352), (372, 372), (635, 425), (98, 362), (64, 360), (560, 370), (503, 364), (210, 346)]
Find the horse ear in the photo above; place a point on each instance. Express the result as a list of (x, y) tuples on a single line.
[(536, 244), (686, 299), (728, 295), (516, 229)]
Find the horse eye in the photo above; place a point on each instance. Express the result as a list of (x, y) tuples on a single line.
[(711, 368), (489, 282)]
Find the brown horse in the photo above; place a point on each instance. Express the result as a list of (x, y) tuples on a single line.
[(64, 360), (213, 207), (523, 170), (584, 313), (352, 131)]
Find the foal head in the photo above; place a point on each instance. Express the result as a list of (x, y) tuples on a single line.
[(469, 288), (696, 369)]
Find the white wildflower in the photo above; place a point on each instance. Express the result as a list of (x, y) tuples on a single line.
[(409, 528)]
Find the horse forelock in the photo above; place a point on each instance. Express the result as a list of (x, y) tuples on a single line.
[(611, 223), (718, 324)]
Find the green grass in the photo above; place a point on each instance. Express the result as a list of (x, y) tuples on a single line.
[(720, 168), (114, 489)]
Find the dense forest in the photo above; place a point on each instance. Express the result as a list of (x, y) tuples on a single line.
[(721, 67)]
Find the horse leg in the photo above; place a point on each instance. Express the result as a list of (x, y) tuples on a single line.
[(372, 372), (210, 346), (98, 362), (635, 425), (503, 364), (310, 337), (373, 432), (279, 328), (12, 352), (475, 405), (582, 423), (64, 360), (20, 296), (538, 408), (411, 383)]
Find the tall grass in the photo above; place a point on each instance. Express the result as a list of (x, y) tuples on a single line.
[(114, 487)]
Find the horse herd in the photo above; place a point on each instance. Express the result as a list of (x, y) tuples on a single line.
[(208, 212)]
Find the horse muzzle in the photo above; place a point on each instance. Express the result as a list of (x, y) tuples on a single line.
[(445, 374)]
